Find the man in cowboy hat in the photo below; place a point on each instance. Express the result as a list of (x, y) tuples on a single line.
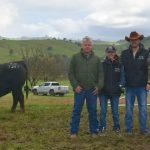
[(134, 60)]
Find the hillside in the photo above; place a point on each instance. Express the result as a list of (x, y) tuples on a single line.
[(11, 49)]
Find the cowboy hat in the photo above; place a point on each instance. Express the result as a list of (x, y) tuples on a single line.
[(134, 36)]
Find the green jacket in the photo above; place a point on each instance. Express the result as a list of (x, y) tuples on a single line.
[(86, 72)]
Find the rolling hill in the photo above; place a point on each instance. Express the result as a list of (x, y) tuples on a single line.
[(10, 50)]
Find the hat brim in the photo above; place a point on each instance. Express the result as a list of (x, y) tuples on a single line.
[(140, 37)]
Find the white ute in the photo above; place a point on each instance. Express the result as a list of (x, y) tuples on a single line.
[(50, 88)]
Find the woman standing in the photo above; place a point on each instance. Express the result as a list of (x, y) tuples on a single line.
[(113, 81)]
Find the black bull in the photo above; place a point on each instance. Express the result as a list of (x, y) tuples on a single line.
[(13, 76)]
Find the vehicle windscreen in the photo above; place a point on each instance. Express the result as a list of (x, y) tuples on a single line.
[(55, 84)]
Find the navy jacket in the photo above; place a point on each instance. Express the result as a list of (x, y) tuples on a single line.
[(112, 77), (135, 68)]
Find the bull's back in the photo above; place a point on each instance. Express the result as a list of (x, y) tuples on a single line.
[(12, 76)]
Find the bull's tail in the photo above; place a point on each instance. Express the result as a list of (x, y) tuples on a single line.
[(26, 88)]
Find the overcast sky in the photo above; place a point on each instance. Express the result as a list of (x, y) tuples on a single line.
[(99, 19)]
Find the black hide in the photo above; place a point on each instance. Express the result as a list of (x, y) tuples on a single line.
[(13, 76)]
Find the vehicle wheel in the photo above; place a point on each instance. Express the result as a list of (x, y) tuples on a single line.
[(61, 94), (51, 92), (35, 92)]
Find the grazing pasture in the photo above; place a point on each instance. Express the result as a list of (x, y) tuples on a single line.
[(45, 126)]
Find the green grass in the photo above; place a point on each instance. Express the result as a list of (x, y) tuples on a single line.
[(59, 47), (45, 126)]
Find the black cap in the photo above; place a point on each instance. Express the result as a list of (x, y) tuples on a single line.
[(110, 48)]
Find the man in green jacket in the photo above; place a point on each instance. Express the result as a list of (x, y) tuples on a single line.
[(86, 78)]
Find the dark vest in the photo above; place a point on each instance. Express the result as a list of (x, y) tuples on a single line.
[(135, 68)]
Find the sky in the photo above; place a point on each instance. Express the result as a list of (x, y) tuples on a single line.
[(108, 20)]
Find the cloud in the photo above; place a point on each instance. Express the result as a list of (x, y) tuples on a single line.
[(119, 14), (35, 27), (60, 28), (73, 19), (8, 15), (116, 20)]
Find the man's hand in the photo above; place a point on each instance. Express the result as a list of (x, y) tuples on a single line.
[(95, 92), (78, 89), (148, 87)]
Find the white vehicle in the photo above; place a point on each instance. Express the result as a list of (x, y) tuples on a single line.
[(50, 88)]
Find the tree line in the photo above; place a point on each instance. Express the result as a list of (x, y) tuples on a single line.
[(44, 66)]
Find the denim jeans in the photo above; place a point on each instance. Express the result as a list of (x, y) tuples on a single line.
[(91, 103), (114, 100), (122, 81), (141, 94)]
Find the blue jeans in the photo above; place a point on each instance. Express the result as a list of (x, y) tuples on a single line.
[(91, 103), (103, 111), (141, 94)]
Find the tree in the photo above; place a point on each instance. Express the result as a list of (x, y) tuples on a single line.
[(44, 66)]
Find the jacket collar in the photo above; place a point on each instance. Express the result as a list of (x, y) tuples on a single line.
[(141, 47), (107, 60), (88, 56)]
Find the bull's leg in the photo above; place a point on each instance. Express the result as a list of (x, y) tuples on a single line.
[(21, 101), (18, 96), (15, 101)]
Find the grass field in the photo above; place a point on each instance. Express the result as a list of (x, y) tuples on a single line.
[(58, 47), (45, 126), (10, 50)]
